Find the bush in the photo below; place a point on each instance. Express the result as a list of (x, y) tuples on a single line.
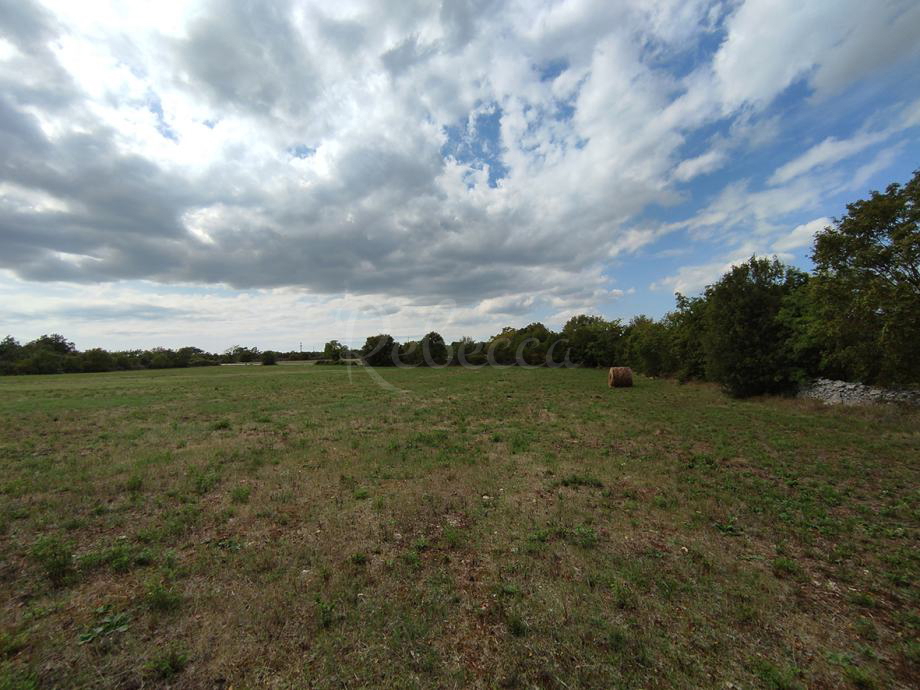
[(269, 358)]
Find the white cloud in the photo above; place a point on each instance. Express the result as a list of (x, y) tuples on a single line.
[(297, 146), (702, 164), (830, 43), (828, 152), (802, 235)]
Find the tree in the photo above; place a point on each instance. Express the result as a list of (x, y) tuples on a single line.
[(380, 351), (334, 350), (434, 350), (686, 325), (53, 343), (593, 341), (97, 359), (269, 358), (648, 347), (866, 293), (10, 352), (41, 361), (745, 342)]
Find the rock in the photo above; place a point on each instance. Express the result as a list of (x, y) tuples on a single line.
[(849, 393)]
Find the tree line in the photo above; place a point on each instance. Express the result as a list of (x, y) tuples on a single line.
[(763, 327)]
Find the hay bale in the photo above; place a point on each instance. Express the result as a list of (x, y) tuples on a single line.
[(619, 377)]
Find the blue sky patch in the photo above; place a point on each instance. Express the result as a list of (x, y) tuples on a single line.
[(476, 142)]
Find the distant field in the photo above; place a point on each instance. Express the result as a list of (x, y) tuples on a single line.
[(291, 526)]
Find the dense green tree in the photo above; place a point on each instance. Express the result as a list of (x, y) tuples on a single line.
[(434, 350), (380, 351), (53, 343), (686, 326), (97, 359), (41, 361), (500, 348), (334, 351), (10, 352), (185, 355), (593, 341), (648, 346), (866, 292), (745, 341), (410, 353), (269, 358)]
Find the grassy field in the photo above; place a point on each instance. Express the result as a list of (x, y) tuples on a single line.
[(300, 525)]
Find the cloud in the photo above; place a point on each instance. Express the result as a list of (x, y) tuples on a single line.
[(410, 152), (829, 151), (802, 235), (770, 44), (702, 164)]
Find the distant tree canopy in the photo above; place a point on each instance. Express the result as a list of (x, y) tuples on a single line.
[(380, 350), (761, 328), (334, 351)]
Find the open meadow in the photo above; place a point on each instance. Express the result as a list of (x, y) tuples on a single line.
[(301, 525)]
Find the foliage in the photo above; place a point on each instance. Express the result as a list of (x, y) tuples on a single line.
[(380, 351), (866, 295), (334, 351), (594, 341), (433, 349), (648, 347), (745, 343)]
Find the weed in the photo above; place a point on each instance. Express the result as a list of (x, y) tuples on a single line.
[(862, 599), (520, 442), (240, 494), (509, 589), (107, 624), (162, 598), (786, 567), (135, 483), (167, 664), (516, 626), (11, 642), (776, 678), (582, 480), (584, 536), (203, 479), (14, 678), (453, 537), (730, 527), (54, 557), (860, 677), (325, 612)]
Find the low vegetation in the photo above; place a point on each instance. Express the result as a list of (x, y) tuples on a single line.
[(302, 526)]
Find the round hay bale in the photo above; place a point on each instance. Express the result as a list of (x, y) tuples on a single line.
[(619, 377)]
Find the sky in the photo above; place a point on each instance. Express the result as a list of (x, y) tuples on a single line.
[(277, 173)]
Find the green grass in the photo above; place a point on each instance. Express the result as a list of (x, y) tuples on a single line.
[(301, 526)]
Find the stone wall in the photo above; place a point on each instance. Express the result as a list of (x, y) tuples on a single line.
[(846, 393)]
